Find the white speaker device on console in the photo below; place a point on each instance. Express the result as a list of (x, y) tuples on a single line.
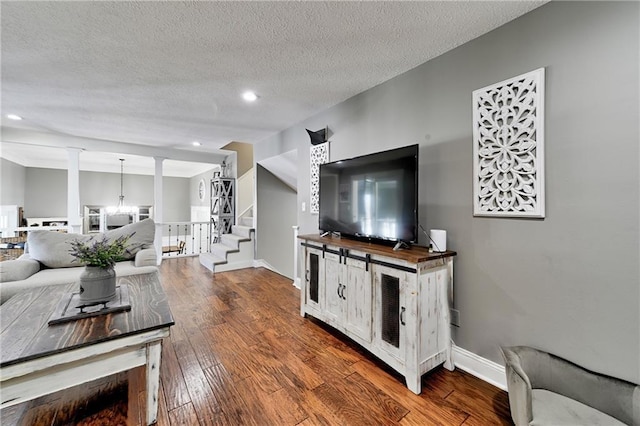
[(438, 239)]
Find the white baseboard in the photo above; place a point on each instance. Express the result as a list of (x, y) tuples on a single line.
[(480, 367), (232, 266), (261, 263)]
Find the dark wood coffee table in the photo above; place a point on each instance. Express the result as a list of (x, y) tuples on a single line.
[(37, 359)]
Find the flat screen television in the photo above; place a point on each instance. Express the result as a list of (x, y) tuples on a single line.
[(372, 197)]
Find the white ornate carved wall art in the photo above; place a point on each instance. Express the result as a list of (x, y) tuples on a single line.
[(508, 147), (319, 155)]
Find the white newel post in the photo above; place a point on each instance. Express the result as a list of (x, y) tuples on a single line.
[(157, 206), (296, 279), (74, 220)]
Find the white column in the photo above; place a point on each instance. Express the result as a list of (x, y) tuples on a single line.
[(158, 214), (73, 190), (296, 279)]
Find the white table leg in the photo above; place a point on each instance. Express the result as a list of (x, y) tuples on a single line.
[(154, 352)]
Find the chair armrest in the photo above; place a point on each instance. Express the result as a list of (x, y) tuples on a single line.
[(146, 257), (615, 397), (519, 387)]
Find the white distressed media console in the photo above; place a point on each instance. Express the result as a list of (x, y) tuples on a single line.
[(393, 303)]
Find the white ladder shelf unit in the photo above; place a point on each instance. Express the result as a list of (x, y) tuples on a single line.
[(223, 214)]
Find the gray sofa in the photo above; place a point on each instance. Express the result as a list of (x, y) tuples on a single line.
[(47, 260), (545, 389)]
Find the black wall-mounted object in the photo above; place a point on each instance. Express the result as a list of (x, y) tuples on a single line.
[(319, 136)]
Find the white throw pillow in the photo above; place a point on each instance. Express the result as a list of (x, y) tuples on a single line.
[(143, 235), (52, 248)]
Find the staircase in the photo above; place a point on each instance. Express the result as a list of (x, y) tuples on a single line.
[(234, 251)]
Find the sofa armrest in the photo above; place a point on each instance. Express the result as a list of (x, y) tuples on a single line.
[(519, 387), (18, 269), (26, 256), (146, 257)]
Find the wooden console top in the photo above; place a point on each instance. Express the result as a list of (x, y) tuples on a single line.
[(415, 254)]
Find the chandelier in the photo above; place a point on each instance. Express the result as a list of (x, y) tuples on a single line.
[(121, 208)]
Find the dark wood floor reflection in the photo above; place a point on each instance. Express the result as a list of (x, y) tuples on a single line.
[(241, 354)]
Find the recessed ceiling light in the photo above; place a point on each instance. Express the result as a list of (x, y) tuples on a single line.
[(196, 143), (249, 96), (13, 117)]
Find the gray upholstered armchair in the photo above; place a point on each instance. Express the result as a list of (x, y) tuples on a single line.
[(547, 390)]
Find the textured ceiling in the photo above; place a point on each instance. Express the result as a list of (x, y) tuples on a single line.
[(165, 74)]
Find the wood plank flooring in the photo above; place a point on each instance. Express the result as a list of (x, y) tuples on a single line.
[(241, 354)]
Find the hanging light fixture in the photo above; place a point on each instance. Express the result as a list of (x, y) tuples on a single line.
[(121, 208)]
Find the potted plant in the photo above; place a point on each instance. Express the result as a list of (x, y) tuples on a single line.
[(98, 280)]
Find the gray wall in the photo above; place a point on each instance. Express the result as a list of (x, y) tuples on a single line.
[(13, 177), (193, 191), (46, 192), (97, 188), (275, 248), (176, 199), (569, 283), (276, 217)]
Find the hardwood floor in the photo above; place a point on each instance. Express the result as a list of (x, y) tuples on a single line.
[(241, 354)]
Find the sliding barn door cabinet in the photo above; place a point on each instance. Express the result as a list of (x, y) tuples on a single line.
[(393, 303)]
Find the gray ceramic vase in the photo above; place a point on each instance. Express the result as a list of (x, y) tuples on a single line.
[(97, 284)]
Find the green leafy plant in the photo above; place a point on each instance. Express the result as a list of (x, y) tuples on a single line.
[(102, 253)]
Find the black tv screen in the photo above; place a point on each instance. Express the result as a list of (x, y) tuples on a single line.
[(372, 197)]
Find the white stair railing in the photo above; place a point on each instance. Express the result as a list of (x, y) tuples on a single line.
[(185, 238)]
